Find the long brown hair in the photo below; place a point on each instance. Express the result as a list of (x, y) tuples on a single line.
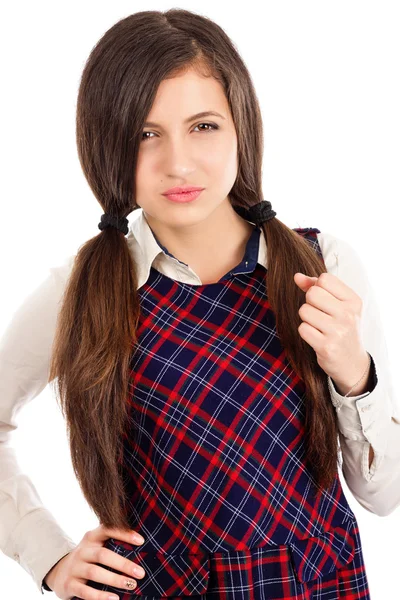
[(98, 318)]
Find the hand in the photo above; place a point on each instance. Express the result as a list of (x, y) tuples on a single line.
[(331, 325), (68, 576)]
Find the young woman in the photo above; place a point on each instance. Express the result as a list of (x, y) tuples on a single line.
[(210, 361)]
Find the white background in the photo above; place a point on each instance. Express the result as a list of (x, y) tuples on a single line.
[(327, 78)]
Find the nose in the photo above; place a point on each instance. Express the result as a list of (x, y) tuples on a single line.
[(178, 156)]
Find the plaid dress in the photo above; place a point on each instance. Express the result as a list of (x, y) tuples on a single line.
[(214, 460)]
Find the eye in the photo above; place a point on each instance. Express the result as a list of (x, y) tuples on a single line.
[(211, 125), (145, 138)]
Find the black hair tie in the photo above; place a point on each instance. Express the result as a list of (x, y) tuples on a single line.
[(107, 220), (258, 213)]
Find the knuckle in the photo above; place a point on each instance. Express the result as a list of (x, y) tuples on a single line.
[(78, 590), (101, 554), (91, 571), (349, 317), (310, 292), (77, 556), (324, 277)]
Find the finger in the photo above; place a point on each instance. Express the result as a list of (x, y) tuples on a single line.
[(102, 533), (315, 317), (312, 336), (323, 300), (100, 574), (335, 286), (104, 556), (84, 592), (304, 281)]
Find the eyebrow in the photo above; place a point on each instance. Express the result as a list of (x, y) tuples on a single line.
[(199, 115)]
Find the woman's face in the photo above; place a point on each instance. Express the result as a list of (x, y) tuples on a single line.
[(180, 150)]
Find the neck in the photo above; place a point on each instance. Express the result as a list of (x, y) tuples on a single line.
[(211, 247)]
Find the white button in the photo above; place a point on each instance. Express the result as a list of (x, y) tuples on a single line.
[(16, 556), (364, 408)]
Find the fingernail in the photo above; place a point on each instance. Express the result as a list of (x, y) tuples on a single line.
[(138, 538)]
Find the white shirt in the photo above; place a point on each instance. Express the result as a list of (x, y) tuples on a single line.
[(29, 532)]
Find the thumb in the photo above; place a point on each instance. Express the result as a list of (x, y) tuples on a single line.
[(304, 281)]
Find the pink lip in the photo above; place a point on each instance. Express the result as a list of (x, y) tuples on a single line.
[(182, 189), (184, 196)]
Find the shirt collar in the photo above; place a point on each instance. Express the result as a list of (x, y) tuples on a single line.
[(146, 248)]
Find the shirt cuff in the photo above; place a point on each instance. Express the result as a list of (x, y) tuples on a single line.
[(364, 417), (37, 544), (338, 399)]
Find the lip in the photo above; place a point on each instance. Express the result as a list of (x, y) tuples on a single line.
[(181, 189), (184, 197)]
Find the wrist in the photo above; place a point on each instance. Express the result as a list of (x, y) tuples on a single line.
[(358, 381), (48, 579)]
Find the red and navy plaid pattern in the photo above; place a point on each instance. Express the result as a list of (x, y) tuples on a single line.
[(214, 459)]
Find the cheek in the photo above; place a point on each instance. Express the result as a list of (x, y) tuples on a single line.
[(225, 164), (222, 157), (139, 169), (145, 168)]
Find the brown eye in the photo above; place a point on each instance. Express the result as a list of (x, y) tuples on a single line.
[(145, 138), (211, 127)]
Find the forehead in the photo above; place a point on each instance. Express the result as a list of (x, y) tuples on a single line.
[(186, 95)]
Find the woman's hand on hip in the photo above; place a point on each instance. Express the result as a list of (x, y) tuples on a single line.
[(69, 575)]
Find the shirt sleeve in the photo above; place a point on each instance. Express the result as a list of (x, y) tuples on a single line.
[(372, 418), (29, 533)]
